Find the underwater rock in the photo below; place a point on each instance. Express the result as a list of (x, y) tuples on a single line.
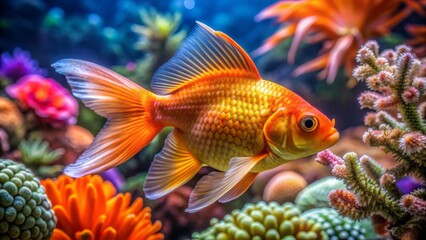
[(263, 221), (315, 195), (284, 187), (11, 124), (338, 227), (25, 210), (88, 208)]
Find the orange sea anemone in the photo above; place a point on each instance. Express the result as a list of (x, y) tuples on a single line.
[(342, 26), (87, 208), (419, 39)]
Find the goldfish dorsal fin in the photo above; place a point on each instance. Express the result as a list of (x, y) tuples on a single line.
[(204, 54)]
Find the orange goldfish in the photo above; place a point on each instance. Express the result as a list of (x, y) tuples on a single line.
[(223, 113)]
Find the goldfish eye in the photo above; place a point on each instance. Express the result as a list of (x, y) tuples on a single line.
[(308, 123)]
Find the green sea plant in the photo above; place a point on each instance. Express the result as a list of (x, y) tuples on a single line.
[(159, 39), (263, 221), (25, 210), (315, 195), (338, 227), (397, 84), (36, 155)]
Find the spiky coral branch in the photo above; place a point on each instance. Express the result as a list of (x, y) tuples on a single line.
[(397, 84)]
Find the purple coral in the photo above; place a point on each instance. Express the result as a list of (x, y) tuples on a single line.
[(18, 65)]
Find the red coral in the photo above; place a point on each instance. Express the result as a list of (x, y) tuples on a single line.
[(49, 100)]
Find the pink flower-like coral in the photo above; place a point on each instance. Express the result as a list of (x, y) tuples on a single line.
[(49, 100)]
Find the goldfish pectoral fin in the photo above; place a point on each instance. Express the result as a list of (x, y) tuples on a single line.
[(171, 168), (204, 54), (239, 189), (126, 105), (215, 185)]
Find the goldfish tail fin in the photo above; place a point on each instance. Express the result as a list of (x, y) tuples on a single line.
[(126, 105)]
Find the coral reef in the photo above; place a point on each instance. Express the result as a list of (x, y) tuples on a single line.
[(338, 227), (341, 27), (52, 103), (284, 187), (170, 210), (397, 95), (315, 195), (88, 208), (25, 210), (263, 221), (12, 125)]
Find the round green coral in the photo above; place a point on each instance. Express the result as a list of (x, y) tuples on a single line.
[(315, 195), (263, 221), (25, 211), (338, 227)]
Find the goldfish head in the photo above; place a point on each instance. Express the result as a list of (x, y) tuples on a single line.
[(293, 133)]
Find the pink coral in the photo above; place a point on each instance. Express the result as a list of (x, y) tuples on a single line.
[(49, 100)]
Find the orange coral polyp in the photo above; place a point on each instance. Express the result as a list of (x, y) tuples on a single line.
[(87, 208)]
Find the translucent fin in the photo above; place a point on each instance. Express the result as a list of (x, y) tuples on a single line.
[(212, 187), (171, 168), (204, 54), (126, 105), (239, 189)]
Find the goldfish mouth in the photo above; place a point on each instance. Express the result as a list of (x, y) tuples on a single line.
[(331, 138)]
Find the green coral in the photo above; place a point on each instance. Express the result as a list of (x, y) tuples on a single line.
[(159, 39), (397, 95), (263, 221), (36, 155), (315, 195), (25, 210), (338, 227)]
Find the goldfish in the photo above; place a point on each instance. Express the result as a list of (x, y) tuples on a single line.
[(223, 114)]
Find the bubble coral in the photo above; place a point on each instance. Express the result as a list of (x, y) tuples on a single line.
[(49, 100), (338, 227), (25, 210), (19, 64), (263, 221), (284, 187), (342, 26), (87, 208), (315, 195)]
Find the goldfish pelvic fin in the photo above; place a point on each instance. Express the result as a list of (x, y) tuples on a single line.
[(239, 189), (126, 105), (215, 185), (204, 54), (171, 168)]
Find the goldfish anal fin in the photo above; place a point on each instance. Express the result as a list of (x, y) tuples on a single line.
[(171, 168), (127, 106), (214, 186), (239, 189), (204, 54)]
